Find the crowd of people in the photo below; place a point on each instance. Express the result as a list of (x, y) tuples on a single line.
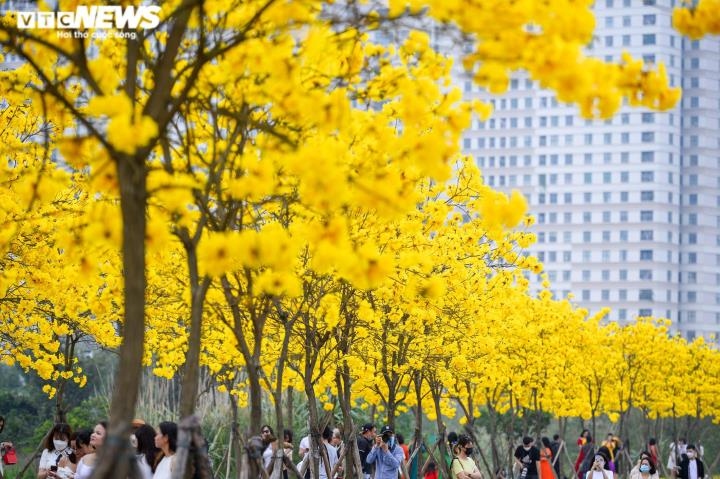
[(69, 454)]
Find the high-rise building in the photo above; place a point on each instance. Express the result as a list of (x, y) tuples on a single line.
[(628, 210)]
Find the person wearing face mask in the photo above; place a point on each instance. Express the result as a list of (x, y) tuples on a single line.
[(57, 444), (691, 466), (463, 466), (645, 468), (386, 454), (528, 458)]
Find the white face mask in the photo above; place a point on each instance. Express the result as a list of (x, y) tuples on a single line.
[(60, 445)]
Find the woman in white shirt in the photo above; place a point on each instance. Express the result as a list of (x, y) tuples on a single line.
[(166, 441), (57, 447), (145, 450), (86, 465)]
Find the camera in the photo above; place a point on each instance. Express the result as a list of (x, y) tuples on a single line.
[(53, 468), (386, 437)]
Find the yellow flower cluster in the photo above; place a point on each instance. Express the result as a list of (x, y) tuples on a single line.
[(697, 20)]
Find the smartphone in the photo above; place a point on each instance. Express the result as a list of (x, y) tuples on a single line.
[(53, 468)]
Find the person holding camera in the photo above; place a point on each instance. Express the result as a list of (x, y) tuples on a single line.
[(386, 454), (463, 465), (600, 468), (527, 457)]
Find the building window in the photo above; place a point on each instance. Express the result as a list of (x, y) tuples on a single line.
[(691, 297), (646, 235), (647, 195), (646, 274), (646, 215), (647, 136), (648, 39), (647, 156), (646, 255), (648, 19), (645, 295), (623, 235), (647, 176)]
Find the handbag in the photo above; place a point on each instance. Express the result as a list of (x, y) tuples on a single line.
[(9, 457)]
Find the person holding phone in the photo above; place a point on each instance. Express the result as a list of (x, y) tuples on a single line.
[(57, 447)]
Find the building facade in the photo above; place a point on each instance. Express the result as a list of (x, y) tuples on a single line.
[(628, 210)]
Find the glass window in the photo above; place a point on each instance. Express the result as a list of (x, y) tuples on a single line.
[(647, 156), (624, 176), (623, 235), (646, 235), (647, 136), (646, 274), (645, 295), (646, 255), (606, 216), (646, 215), (648, 19), (647, 195), (647, 176), (648, 39), (623, 275)]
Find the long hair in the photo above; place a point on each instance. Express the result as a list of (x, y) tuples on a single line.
[(169, 429), (146, 444)]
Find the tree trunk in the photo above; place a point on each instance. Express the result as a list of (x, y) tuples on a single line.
[(442, 442), (113, 461), (417, 441), (191, 371)]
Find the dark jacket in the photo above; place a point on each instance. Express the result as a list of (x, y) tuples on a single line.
[(685, 467), (364, 446)]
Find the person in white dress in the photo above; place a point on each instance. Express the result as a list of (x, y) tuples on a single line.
[(145, 451), (86, 465), (166, 441)]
